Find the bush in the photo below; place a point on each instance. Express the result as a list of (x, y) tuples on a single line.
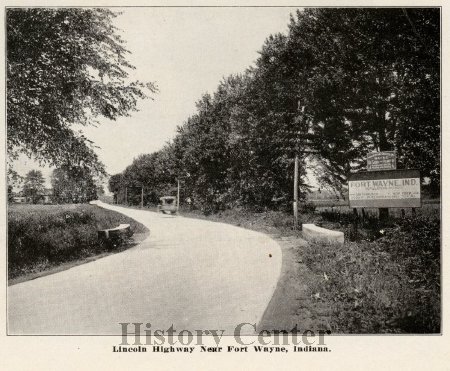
[(40, 236), (388, 285), (307, 207)]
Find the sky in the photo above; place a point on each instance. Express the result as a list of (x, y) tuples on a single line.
[(185, 52)]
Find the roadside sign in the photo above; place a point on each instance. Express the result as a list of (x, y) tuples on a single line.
[(391, 188), (381, 161)]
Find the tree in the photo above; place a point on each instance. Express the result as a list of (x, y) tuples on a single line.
[(65, 66), (100, 190), (33, 186), (73, 185), (114, 184), (368, 80), (14, 181)]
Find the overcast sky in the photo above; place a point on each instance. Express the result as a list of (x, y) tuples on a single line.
[(186, 52)]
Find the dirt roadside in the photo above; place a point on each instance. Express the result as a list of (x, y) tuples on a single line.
[(292, 307)]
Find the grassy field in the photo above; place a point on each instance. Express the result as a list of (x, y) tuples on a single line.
[(42, 237), (429, 208)]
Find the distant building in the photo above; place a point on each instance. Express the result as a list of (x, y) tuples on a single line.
[(45, 198), (19, 198)]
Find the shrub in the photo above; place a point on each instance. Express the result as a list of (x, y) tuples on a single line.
[(388, 285), (307, 207)]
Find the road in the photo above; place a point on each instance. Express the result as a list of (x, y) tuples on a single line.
[(189, 273)]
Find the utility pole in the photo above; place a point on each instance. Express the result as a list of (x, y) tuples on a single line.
[(178, 195), (142, 197), (296, 192), (126, 195), (300, 143)]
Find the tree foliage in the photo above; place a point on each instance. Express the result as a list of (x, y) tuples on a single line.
[(341, 83), (73, 185), (370, 82), (65, 66), (33, 185)]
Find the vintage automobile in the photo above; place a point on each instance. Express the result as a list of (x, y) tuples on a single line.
[(168, 205)]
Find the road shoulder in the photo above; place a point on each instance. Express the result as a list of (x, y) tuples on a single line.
[(291, 306)]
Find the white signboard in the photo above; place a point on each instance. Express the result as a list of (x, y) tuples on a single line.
[(381, 161), (385, 191)]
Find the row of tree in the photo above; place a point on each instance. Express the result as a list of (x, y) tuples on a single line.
[(69, 185), (341, 83)]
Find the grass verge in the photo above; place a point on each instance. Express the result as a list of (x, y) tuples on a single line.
[(388, 285), (44, 239)]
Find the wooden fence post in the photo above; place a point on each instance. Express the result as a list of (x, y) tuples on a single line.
[(383, 213), (355, 221)]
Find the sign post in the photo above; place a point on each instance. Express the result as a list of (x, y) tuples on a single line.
[(178, 195), (376, 161)]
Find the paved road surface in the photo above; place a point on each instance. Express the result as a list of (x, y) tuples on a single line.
[(194, 274)]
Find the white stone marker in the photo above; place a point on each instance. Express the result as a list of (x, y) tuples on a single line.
[(312, 232)]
